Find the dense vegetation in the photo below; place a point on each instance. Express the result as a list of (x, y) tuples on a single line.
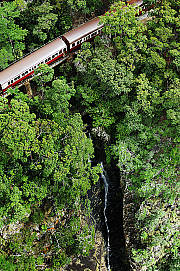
[(128, 83), (45, 175)]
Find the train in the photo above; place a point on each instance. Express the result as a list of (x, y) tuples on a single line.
[(51, 53)]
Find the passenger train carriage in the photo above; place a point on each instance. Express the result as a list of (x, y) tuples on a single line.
[(50, 53), (25, 67), (84, 32)]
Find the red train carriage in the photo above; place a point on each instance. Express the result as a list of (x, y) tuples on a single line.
[(24, 68), (84, 32)]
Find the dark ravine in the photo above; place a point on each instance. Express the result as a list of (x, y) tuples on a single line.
[(118, 255), (114, 212), (106, 191)]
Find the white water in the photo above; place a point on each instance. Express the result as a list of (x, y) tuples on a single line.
[(106, 186), (89, 160)]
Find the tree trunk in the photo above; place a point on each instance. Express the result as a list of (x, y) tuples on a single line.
[(28, 89)]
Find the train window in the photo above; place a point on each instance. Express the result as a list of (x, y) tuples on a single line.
[(60, 52), (26, 72), (30, 70), (73, 44), (42, 62), (53, 56), (23, 74), (9, 83), (78, 42), (15, 79), (49, 58), (46, 60), (56, 54), (64, 50)]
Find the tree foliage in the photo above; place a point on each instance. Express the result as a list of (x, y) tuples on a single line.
[(127, 83), (45, 160), (134, 81), (11, 34)]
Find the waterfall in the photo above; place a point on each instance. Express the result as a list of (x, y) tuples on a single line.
[(89, 160), (105, 180)]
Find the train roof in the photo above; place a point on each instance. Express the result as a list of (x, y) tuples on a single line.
[(31, 60), (83, 30), (137, 2)]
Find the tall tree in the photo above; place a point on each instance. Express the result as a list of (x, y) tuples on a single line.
[(126, 32), (45, 20), (40, 19), (105, 83), (11, 35)]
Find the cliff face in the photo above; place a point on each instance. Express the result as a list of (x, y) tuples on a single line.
[(130, 232), (94, 262)]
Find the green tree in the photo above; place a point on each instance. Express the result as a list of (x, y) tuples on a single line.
[(127, 33), (105, 83), (40, 19), (11, 34), (43, 74), (45, 20), (45, 161), (57, 98), (82, 7), (21, 4)]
